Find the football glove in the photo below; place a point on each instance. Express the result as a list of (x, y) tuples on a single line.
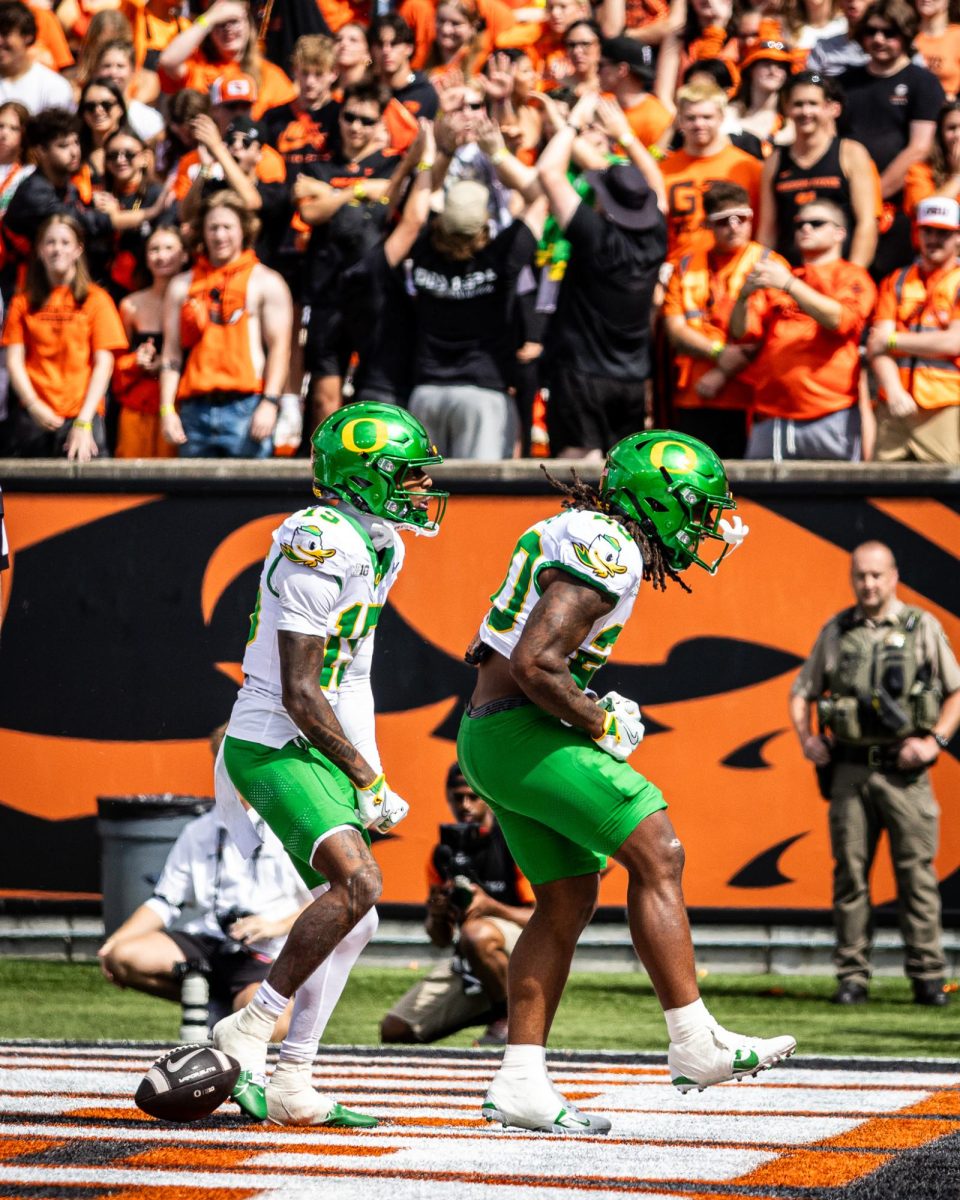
[(622, 726), (380, 807), (734, 532)]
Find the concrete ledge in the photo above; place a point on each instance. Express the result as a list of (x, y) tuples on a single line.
[(730, 949), (280, 473)]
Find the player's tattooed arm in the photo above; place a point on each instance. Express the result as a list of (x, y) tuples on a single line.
[(301, 661), (561, 619)]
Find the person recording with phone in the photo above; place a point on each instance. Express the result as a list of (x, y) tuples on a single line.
[(477, 905)]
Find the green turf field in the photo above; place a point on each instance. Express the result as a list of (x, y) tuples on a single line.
[(598, 1012)]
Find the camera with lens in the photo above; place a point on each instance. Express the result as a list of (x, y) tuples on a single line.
[(226, 920), (453, 860)]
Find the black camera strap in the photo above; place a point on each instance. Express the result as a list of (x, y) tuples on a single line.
[(218, 867)]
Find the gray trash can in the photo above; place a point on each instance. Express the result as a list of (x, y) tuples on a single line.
[(136, 833)]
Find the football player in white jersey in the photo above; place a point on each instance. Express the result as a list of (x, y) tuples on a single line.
[(300, 744), (549, 756)]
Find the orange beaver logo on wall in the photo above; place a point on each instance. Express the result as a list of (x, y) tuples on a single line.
[(116, 663)]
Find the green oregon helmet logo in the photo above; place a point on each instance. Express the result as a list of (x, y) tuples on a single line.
[(365, 435), (686, 462)]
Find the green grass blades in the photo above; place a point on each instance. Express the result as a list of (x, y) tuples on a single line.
[(599, 1011)]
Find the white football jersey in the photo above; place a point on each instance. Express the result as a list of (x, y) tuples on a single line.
[(323, 577), (587, 545)]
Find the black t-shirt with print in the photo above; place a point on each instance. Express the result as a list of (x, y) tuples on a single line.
[(302, 137), (419, 96), (464, 310), (878, 110), (602, 323)]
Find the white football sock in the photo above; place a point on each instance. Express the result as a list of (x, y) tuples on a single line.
[(524, 1062), (270, 999), (683, 1023), (317, 997)]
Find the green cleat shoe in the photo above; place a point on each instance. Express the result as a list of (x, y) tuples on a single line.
[(345, 1118), (251, 1096)]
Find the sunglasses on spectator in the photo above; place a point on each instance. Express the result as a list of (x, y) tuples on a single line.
[(237, 106), (90, 106), (113, 156), (730, 219), (885, 31), (474, 105), (244, 139), (355, 118), (581, 45), (813, 222)]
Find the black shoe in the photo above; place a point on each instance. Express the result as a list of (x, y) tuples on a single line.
[(849, 992), (930, 992)]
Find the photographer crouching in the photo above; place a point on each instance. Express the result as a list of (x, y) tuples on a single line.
[(478, 903)]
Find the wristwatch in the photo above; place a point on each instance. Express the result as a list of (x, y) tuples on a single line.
[(941, 741)]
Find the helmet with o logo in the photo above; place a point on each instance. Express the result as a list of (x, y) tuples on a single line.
[(363, 452), (675, 487)]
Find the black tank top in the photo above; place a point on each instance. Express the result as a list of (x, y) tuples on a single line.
[(794, 186)]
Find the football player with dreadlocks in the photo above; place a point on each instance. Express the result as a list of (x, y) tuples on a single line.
[(300, 744), (549, 756)]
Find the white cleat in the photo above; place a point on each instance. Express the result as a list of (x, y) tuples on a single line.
[(715, 1055), (249, 1050), (292, 1100), (539, 1107)]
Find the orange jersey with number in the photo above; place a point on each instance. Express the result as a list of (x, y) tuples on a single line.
[(687, 178)]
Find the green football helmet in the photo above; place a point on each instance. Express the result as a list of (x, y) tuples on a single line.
[(675, 487), (362, 454)]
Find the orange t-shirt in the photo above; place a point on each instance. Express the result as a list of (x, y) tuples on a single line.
[(270, 169), (51, 41), (545, 50), (274, 89), (703, 290), (60, 340), (942, 56), (918, 184), (804, 370), (686, 180), (649, 120)]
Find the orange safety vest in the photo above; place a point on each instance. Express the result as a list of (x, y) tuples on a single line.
[(702, 311), (922, 307), (215, 331)]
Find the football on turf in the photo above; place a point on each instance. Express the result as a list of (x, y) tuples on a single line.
[(187, 1083)]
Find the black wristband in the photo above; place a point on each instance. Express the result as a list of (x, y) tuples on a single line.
[(941, 741), (274, 400)]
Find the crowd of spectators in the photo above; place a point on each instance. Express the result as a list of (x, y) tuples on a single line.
[(540, 225)]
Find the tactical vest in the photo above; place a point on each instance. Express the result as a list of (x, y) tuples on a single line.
[(879, 694)]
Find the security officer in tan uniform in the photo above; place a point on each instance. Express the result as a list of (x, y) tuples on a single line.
[(887, 688)]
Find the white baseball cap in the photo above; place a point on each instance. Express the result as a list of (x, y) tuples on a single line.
[(940, 212)]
